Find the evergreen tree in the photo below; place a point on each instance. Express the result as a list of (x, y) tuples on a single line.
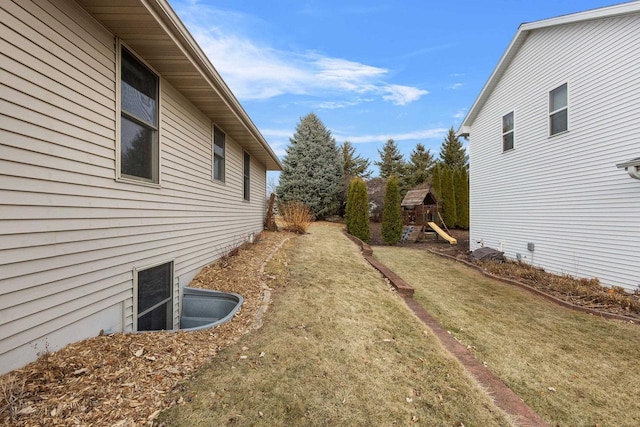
[(448, 197), (419, 166), (391, 160), (353, 165), (375, 190), (452, 153), (392, 212), (436, 185), (357, 216), (312, 171), (462, 199)]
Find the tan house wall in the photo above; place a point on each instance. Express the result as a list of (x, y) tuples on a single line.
[(71, 234)]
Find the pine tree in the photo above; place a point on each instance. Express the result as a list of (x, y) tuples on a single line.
[(448, 198), (353, 165), (357, 216), (462, 199), (419, 166), (312, 171), (452, 153), (392, 212), (391, 161)]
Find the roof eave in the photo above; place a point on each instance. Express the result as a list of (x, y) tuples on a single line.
[(218, 82)]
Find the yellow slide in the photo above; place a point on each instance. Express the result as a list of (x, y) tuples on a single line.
[(442, 234)]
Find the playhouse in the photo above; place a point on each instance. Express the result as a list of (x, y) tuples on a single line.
[(419, 207), (420, 215)]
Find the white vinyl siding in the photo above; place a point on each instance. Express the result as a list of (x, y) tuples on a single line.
[(70, 235), (564, 194)]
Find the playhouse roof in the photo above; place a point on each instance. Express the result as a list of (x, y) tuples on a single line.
[(419, 196)]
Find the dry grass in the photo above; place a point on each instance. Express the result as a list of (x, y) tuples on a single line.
[(573, 369), (296, 216), (337, 347)]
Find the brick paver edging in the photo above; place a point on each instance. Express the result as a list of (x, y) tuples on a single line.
[(541, 293), (502, 395)]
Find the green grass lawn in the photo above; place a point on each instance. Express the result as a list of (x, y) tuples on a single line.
[(572, 368), (337, 348)]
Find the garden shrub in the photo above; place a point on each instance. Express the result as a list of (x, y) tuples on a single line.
[(296, 216), (392, 213), (357, 215)]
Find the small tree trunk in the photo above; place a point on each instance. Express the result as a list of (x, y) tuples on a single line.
[(270, 220)]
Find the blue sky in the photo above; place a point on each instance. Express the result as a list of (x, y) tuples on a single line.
[(370, 69)]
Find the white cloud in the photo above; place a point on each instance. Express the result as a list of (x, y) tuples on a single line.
[(409, 136), (456, 86), (460, 114), (403, 95), (255, 70), (334, 105)]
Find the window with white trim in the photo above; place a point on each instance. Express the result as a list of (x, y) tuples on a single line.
[(218, 154), (558, 110), (247, 176), (507, 132), (154, 298), (139, 106)]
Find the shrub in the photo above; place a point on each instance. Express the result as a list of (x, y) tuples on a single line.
[(448, 197), (357, 216), (461, 184), (296, 216), (392, 213)]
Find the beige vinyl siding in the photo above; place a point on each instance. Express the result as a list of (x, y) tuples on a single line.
[(70, 234), (564, 193)]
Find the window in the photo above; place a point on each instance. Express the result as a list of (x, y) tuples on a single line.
[(155, 298), (218, 154), (558, 110), (507, 132), (247, 176), (138, 119)]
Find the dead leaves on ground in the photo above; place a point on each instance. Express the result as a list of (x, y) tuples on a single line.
[(124, 379)]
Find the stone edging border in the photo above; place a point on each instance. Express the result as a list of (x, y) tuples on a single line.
[(539, 292), (397, 282), (505, 398), (266, 295)]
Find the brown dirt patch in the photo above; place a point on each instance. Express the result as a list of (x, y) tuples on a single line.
[(123, 379)]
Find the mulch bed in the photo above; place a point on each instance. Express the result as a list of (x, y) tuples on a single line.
[(124, 379)]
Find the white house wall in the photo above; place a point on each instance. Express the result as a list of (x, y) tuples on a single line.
[(564, 193), (70, 234)]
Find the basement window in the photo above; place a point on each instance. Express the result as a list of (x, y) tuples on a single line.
[(153, 292)]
